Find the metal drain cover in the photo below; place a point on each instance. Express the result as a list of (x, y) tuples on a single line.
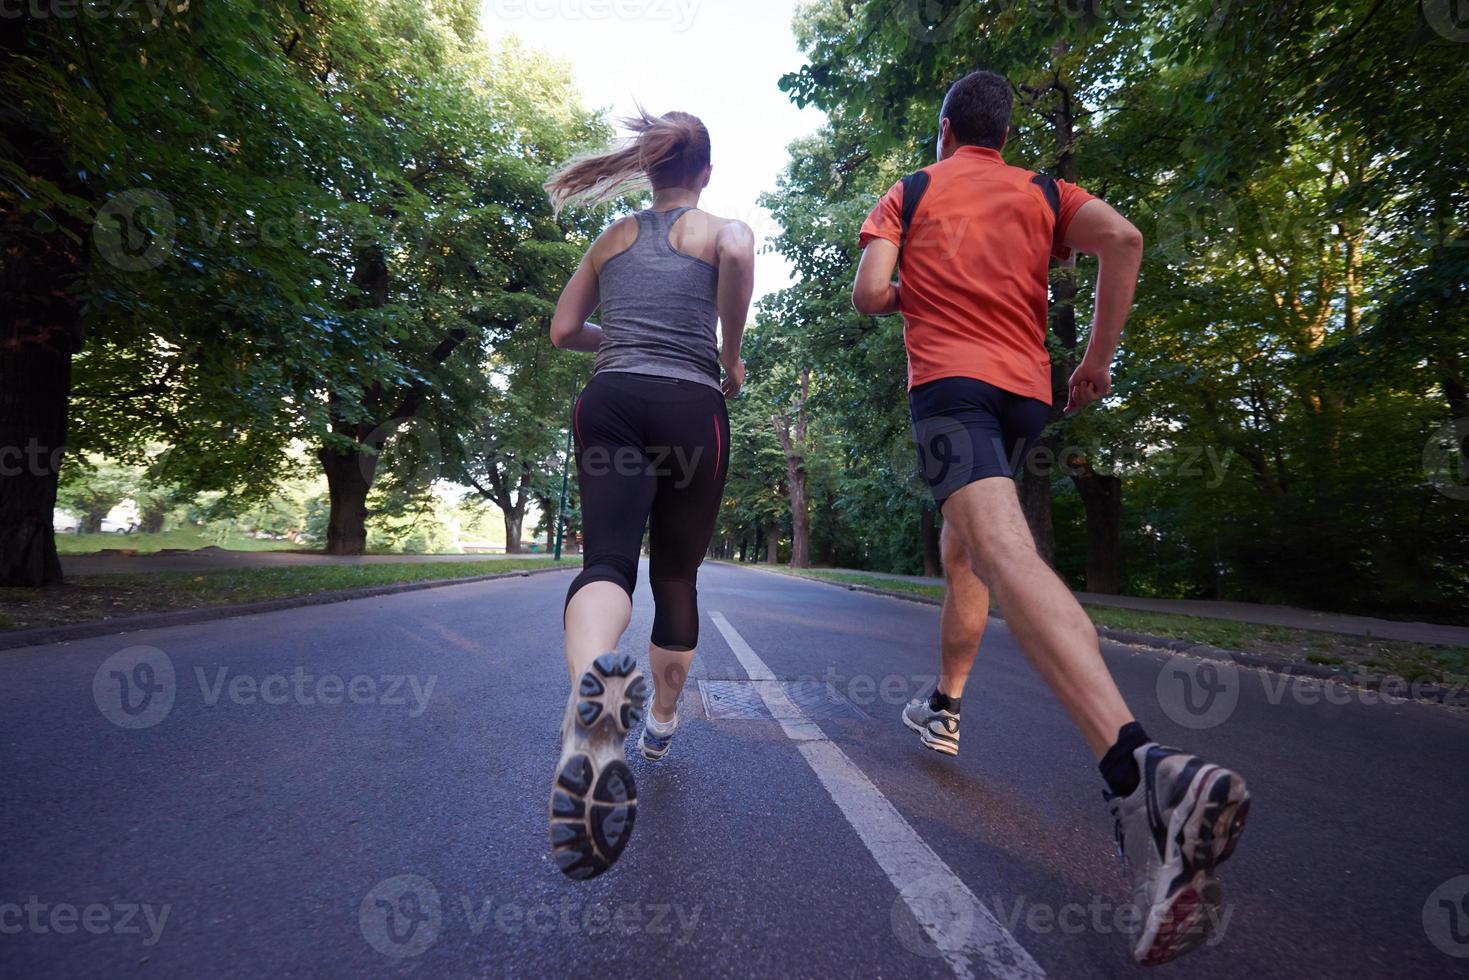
[(741, 701)]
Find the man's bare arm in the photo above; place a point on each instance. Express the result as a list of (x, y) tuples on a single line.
[(874, 293), (1099, 230)]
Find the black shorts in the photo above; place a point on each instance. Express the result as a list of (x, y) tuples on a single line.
[(968, 430), (650, 453)]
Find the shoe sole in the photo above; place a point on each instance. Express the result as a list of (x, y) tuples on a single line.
[(652, 755), (941, 746), (1210, 835), (593, 799), (1181, 923), (1205, 838)]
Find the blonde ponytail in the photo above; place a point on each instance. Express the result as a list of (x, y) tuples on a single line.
[(665, 151)]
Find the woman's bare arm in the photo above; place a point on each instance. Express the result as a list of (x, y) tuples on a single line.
[(579, 300), (735, 252)]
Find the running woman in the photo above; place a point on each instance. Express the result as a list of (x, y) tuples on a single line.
[(652, 450), (971, 238)]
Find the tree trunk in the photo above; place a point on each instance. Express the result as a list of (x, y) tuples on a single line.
[(91, 521), (1035, 496), (772, 544), (1035, 485), (800, 521), (1101, 495), (514, 520), (152, 520), (794, 447), (929, 532), (348, 478), (40, 334), (40, 331)]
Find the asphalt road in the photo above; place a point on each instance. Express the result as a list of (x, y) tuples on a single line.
[(359, 789)]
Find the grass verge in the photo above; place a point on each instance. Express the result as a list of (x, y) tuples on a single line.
[(1413, 661), (185, 537), (86, 598), (869, 581)]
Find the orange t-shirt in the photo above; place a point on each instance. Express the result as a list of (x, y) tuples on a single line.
[(974, 270)]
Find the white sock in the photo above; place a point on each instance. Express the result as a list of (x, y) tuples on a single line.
[(660, 728)]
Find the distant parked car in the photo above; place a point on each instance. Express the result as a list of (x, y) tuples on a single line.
[(109, 526), (63, 522)]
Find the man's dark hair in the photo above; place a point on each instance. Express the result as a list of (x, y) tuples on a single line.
[(978, 109)]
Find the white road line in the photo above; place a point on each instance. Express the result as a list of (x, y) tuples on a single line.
[(962, 930)]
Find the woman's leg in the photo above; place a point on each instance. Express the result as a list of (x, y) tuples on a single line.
[(593, 801), (596, 617), (670, 670), (690, 488), (617, 488)]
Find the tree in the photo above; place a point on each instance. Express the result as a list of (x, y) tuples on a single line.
[(1299, 332), (792, 438), (93, 492), (332, 199)]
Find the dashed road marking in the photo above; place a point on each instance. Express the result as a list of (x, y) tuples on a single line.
[(963, 931)]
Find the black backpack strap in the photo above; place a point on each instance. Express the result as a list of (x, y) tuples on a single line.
[(1052, 194), (914, 187)]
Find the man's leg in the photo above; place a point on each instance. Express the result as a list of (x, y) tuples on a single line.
[(1180, 822), (961, 623), (1049, 624)]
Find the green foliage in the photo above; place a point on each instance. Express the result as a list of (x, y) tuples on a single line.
[(92, 489), (302, 224), (1300, 329)]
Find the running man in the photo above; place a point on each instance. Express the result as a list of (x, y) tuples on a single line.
[(971, 238), (652, 442)]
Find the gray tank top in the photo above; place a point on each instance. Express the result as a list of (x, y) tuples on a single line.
[(659, 308)]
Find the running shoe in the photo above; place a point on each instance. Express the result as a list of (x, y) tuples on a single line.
[(1181, 822), (593, 800), (657, 737), (939, 729)]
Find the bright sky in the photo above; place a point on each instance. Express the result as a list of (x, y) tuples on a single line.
[(718, 59)]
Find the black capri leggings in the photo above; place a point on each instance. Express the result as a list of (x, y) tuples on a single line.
[(650, 452)]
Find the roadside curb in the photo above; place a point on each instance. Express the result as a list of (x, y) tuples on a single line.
[(44, 635), (1391, 684)]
